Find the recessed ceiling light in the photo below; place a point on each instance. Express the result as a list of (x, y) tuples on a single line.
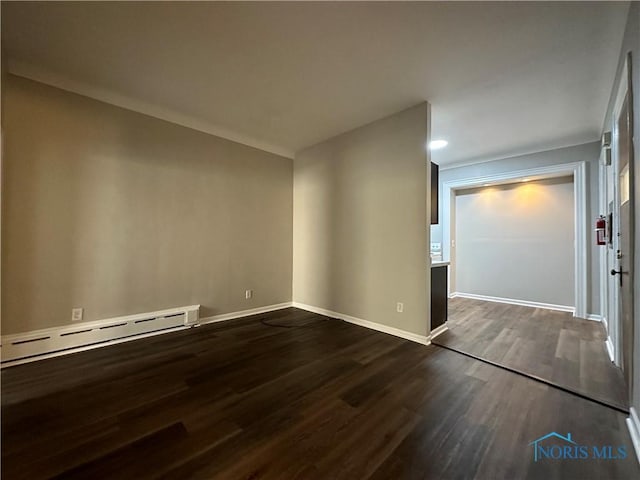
[(437, 144)]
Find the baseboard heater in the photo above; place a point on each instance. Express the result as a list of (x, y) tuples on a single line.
[(57, 339)]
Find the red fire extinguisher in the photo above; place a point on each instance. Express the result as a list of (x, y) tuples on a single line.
[(601, 230)]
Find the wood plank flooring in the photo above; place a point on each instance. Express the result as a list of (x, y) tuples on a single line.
[(553, 345), (327, 400)]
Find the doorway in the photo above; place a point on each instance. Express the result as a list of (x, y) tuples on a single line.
[(575, 170), (514, 243)]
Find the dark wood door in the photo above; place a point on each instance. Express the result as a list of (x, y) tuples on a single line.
[(624, 272)]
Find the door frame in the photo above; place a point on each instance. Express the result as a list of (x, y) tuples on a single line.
[(609, 175), (576, 169), (604, 172)]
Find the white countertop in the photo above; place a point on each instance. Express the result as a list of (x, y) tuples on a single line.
[(439, 264)]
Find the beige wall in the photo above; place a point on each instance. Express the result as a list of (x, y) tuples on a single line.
[(120, 213), (360, 222), (516, 241)]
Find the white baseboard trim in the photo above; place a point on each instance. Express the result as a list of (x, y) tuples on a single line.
[(609, 345), (605, 323), (594, 318), (438, 330), (414, 337), (512, 301), (223, 317), (633, 424)]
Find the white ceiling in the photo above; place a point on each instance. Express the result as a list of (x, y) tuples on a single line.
[(502, 78)]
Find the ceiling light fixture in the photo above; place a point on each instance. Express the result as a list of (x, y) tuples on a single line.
[(437, 144)]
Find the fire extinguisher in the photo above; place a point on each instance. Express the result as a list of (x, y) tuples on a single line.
[(601, 230)]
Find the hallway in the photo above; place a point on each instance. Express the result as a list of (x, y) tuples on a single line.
[(549, 344)]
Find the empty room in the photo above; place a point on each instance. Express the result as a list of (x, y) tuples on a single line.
[(313, 240)]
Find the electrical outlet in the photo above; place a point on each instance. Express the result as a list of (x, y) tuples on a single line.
[(399, 307), (76, 314), (248, 294)]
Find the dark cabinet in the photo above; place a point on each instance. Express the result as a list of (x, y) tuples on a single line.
[(439, 295), (434, 193)]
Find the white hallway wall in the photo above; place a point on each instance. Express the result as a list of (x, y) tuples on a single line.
[(516, 241)]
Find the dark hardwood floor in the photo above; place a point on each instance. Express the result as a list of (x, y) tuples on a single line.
[(552, 345), (241, 399)]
